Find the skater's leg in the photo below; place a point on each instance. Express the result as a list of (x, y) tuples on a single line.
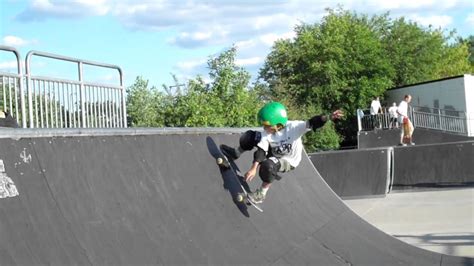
[(247, 142), (268, 172)]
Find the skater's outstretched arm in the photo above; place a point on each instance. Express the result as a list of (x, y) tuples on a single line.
[(318, 121)]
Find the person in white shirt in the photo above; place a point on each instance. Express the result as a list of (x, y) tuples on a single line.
[(393, 116), (404, 120), (375, 108), (279, 145)]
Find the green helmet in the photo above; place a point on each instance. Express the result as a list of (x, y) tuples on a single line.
[(272, 114)]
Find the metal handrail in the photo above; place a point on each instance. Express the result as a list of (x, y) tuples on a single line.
[(423, 117), (81, 83), (19, 76)]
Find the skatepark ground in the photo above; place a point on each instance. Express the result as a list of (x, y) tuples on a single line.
[(440, 221)]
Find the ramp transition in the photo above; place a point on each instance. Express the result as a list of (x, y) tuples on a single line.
[(159, 198)]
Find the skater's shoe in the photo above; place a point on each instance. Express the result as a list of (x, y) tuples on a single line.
[(257, 196), (412, 143), (230, 152)]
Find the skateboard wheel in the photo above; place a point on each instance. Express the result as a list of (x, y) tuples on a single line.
[(240, 198), (220, 160)]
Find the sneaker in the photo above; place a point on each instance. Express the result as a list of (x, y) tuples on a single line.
[(230, 152), (412, 143), (257, 196)]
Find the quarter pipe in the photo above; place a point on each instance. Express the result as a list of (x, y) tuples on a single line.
[(157, 197)]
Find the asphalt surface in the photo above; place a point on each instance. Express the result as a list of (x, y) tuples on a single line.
[(436, 220)]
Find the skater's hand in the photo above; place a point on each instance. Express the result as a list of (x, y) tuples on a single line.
[(337, 115), (252, 172), (250, 175)]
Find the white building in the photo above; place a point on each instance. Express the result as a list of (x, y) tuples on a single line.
[(452, 97)]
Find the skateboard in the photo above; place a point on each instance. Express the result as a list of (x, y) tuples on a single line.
[(242, 197)]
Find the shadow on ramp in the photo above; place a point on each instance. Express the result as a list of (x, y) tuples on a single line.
[(229, 177)]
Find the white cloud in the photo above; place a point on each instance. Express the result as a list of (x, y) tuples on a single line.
[(13, 41), (249, 61), (201, 37), (16, 41), (201, 23), (470, 19), (406, 5), (191, 64), (402, 4), (8, 66), (270, 38), (44, 9), (245, 44), (273, 21), (433, 20)]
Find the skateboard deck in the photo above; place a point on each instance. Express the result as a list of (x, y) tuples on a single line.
[(243, 196)]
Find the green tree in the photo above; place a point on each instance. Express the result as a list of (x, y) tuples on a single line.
[(454, 61), (469, 45), (143, 105), (420, 54), (226, 100), (338, 63), (348, 58)]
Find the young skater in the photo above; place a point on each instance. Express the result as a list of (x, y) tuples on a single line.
[(279, 145)]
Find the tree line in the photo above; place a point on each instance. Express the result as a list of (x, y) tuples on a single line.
[(341, 62)]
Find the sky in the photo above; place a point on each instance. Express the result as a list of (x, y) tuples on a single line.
[(157, 38)]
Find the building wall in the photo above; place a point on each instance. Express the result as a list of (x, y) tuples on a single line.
[(469, 92), (449, 94)]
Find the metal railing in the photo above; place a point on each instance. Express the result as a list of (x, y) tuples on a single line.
[(49, 102), (11, 88), (423, 117), (60, 103), (446, 120)]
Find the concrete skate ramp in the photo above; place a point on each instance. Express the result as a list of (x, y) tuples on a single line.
[(435, 165), (386, 138), (161, 199), (355, 173)]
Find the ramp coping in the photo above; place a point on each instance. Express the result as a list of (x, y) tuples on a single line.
[(18, 133)]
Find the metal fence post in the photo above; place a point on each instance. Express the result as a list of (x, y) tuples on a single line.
[(81, 95), (124, 100), (440, 120), (28, 86), (359, 119)]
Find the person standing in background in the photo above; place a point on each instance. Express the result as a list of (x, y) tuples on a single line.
[(392, 111), (404, 120), (375, 108)]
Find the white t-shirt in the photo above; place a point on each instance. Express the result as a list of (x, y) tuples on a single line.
[(393, 111), (286, 143), (374, 107), (403, 108)]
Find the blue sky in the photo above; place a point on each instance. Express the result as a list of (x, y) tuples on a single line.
[(154, 38)]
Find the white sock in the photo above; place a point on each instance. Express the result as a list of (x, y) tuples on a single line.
[(264, 191)]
